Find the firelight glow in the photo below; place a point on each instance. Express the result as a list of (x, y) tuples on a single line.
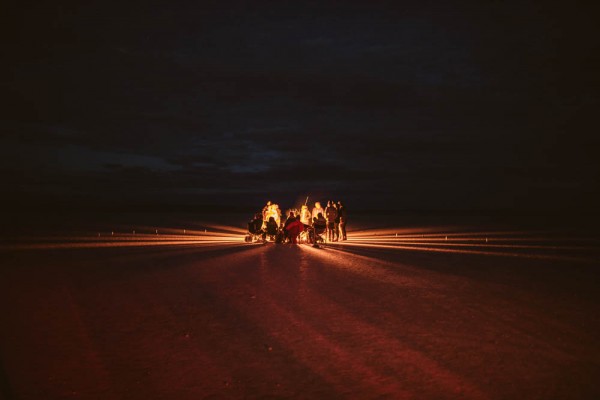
[(538, 245), (214, 235)]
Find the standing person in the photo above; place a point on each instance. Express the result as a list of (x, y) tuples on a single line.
[(336, 229), (290, 218), (265, 213), (305, 215), (274, 211), (343, 219), (277, 213), (266, 209), (330, 216), (317, 210)]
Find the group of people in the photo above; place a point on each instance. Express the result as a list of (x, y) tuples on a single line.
[(287, 227), (335, 218)]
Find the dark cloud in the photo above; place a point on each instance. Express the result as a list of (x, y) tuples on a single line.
[(430, 105)]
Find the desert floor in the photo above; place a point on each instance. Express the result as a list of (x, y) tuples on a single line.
[(421, 315)]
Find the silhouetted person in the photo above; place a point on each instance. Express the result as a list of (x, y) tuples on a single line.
[(343, 219), (271, 228), (319, 225), (293, 228), (255, 225), (336, 229), (330, 215), (290, 218)]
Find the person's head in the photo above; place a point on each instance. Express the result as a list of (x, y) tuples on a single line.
[(291, 214), (304, 207), (269, 203), (320, 215), (340, 204), (317, 205), (329, 203), (271, 219)]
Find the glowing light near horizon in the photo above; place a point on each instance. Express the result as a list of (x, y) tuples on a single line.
[(443, 239), (537, 244), (212, 236)]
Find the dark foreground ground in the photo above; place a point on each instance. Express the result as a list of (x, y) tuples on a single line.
[(281, 321)]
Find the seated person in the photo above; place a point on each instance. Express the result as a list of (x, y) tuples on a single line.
[(271, 228), (293, 228), (255, 225), (319, 227), (320, 224)]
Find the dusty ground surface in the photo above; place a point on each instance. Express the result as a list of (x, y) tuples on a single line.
[(283, 321)]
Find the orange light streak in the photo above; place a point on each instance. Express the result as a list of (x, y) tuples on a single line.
[(471, 239), (403, 231), (211, 231), (439, 232), (137, 237), (445, 250), (483, 244), (223, 228), (40, 246), (165, 237)]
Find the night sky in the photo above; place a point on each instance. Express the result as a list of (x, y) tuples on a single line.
[(386, 105)]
